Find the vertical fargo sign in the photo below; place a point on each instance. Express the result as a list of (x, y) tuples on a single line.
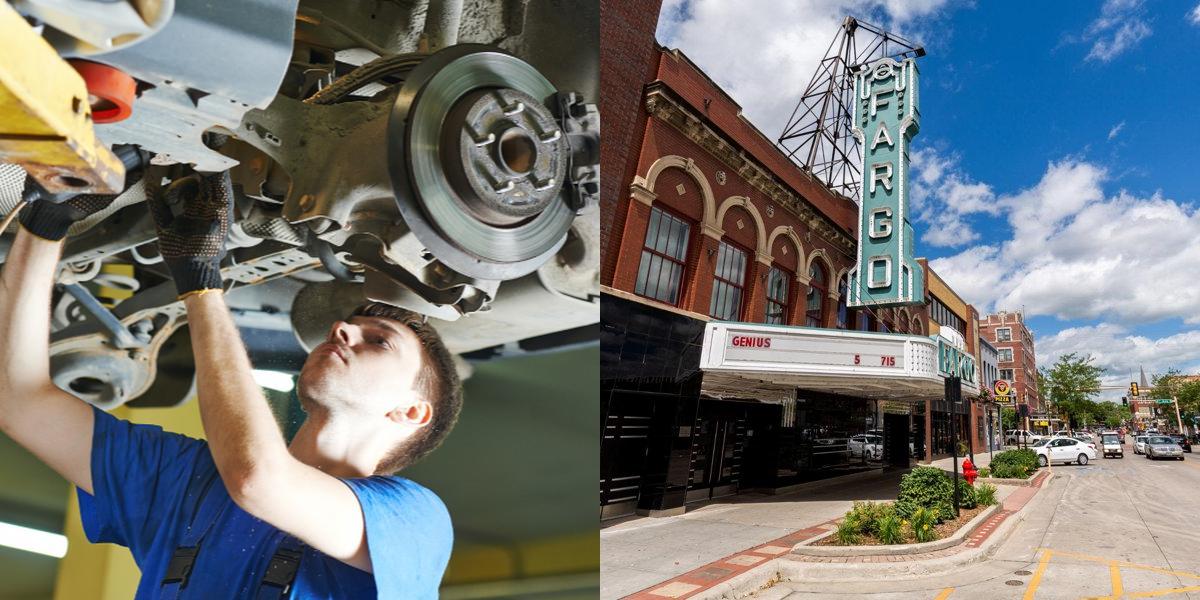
[(885, 120)]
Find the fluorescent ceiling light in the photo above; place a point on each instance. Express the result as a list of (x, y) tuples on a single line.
[(33, 540), (275, 380)]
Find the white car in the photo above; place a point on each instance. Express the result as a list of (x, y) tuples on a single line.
[(1065, 450), (1013, 437), (1112, 446), (870, 446), (1139, 444)]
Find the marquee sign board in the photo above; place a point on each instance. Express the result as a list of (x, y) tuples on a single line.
[(954, 362), (885, 120)]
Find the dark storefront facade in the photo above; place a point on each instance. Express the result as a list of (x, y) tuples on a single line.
[(666, 443)]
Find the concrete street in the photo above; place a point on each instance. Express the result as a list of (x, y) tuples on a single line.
[(1115, 528)]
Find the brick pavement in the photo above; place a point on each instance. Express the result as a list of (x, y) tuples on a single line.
[(707, 576)]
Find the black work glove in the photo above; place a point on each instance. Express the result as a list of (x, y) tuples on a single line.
[(191, 238), (51, 221)]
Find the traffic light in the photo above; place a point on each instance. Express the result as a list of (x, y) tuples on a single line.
[(1133, 390), (1124, 401)]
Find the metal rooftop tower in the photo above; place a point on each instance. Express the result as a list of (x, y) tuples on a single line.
[(818, 135)]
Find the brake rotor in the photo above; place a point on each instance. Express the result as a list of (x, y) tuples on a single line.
[(478, 162)]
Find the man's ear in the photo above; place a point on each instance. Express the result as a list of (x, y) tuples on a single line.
[(418, 414)]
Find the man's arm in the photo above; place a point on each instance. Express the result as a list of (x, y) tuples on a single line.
[(52, 424), (261, 475)]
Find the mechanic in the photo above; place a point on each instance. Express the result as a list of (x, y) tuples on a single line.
[(243, 514)]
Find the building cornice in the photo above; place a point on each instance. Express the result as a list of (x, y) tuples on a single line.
[(660, 105)]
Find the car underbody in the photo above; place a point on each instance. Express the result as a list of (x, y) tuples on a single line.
[(438, 156)]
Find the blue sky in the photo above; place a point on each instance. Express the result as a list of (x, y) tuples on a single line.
[(1055, 170)]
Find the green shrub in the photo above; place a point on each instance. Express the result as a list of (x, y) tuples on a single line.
[(1016, 464), (847, 532), (921, 525), (929, 488), (868, 514), (889, 529), (985, 472), (966, 494), (985, 494)]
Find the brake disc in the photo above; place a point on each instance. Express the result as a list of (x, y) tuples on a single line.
[(478, 162)]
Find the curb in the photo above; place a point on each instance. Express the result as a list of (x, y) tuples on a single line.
[(783, 569), (1007, 481), (806, 548)]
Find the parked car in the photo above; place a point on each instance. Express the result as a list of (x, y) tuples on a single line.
[(1183, 441), (1110, 442), (1139, 444), (1012, 437), (1162, 446), (1065, 450), (1085, 438), (870, 446)]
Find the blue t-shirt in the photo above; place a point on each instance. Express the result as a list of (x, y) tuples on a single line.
[(140, 476)]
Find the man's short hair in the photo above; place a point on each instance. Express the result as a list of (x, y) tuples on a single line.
[(437, 382)]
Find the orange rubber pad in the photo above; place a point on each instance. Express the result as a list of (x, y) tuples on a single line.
[(110, 91)]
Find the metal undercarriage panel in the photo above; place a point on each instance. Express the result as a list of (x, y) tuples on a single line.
[(446, 164)]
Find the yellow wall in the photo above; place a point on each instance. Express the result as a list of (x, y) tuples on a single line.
[(107, 571)]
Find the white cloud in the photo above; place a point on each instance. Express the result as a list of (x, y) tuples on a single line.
[(1194, 15), (944, 196), (1122, 353), (1119, 27), (764, 52), (1075, 253), (1112, 133)]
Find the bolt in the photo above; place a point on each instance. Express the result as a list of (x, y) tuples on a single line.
[(504, 187), (513, 109), (546, 138), (491, 137), (541, 186)]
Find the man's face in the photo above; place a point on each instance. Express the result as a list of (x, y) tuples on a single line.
[(366, 365)]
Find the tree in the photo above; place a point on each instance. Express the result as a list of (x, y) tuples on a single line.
[(1070, 384), (1173, 384), (1008, 419)]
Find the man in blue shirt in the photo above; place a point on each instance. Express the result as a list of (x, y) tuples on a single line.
[(243, 514)]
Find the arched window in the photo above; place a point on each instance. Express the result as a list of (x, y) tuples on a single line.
[(916, 325), (664, 257), (844, 315), (778, 285), (817, 291), (728, 282)]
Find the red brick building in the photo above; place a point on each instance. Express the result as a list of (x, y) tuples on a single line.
[(1017, 360)]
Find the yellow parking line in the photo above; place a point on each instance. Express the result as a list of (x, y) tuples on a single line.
[(945, 594), (1037, 575), (1178, 590), (1114, 573)]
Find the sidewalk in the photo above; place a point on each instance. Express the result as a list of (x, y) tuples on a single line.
[(639, 553)]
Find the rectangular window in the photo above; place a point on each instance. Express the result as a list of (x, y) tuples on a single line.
[(1004, 334), (728, 282), (1006, 374), (1006, 355), (777, 296), (664, 255)]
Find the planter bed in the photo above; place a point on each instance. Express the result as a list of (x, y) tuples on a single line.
[(950, 533), (999, 481)]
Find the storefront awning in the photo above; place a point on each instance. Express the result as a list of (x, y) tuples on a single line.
[(743, 360)]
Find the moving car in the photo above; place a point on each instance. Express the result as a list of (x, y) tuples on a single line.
[(1162, 446), (1183, 442), (1065, 450), (1110, 443), (1139, 444)]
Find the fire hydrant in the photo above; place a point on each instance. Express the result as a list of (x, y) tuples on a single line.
[(969, 472)]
